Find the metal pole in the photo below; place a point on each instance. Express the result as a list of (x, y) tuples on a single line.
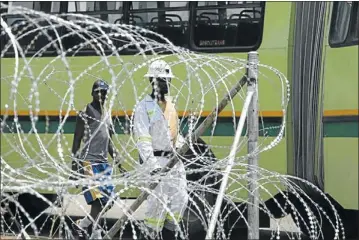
[(198, 132), (252, 126), (228, 169)]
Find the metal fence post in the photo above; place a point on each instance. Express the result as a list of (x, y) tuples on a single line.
[(253, 130), (250, 109)]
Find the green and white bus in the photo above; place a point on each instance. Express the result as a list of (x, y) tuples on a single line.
[(315, 44)]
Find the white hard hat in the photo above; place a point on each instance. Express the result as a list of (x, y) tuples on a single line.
[(159, 68)]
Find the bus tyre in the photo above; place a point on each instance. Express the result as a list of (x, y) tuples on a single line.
[(326, 229), (197, 210)]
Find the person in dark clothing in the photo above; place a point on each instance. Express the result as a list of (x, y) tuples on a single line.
[(94, 129)]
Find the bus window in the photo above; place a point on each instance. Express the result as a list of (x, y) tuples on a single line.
[(340, 22), (29, 5), (3, 38), (344, 24), (74, 39), (55, 7), (31, 41), (37, 5), (169, 19), (45, 6), (355, 28), (106, 11), (89, 6), (3, 7), (232, 26)]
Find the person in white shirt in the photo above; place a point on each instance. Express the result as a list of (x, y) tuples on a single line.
[(156, 131)]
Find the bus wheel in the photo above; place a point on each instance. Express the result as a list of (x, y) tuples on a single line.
[(196, 214)]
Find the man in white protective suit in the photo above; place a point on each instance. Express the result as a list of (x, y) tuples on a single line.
[(156, 132)]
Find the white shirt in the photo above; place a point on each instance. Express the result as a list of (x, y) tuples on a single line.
[(152, 131)]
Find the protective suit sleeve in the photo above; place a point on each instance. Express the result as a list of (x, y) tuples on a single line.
[(143, 139)]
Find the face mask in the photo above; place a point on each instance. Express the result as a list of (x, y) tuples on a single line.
[(162, 85), (100, 94)]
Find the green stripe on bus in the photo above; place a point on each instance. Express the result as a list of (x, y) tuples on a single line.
[(224, 127)]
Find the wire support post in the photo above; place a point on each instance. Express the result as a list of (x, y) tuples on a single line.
[(249, 110), (253, 130)]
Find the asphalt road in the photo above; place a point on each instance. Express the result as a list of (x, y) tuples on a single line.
[(75, 207)]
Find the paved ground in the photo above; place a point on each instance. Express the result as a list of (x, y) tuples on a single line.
[(7, 237), (75, 205)]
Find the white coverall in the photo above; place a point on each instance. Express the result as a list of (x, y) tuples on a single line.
[(153, 133)]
